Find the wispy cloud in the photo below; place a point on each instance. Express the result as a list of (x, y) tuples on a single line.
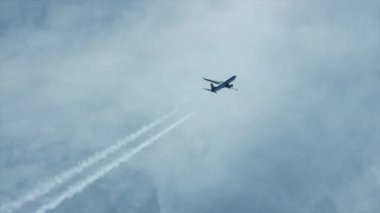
[(66, 175), (81, 185), (300, 135)]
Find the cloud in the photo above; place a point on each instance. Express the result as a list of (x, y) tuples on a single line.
[(300, 135)]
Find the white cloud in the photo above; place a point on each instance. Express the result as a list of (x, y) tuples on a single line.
[(74, 75)]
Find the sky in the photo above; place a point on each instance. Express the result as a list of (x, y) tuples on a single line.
[(301, 134)]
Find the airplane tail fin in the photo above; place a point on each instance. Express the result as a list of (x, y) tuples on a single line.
[(212, 86)]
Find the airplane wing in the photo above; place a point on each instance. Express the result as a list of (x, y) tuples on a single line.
[(212, 81)]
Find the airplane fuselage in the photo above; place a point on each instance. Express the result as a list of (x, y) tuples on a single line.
[(223, 84)]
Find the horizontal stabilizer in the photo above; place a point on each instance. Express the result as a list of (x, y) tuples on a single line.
[(208, 90)]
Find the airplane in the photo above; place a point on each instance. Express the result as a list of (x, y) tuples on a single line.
[(220, 84)]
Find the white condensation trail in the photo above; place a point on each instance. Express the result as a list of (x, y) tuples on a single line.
[(81, 185), (64, 176)]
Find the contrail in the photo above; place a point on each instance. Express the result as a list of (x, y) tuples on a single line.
[(69, 173), (81, 185)]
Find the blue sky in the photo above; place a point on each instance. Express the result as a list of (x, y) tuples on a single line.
[(300, 135)]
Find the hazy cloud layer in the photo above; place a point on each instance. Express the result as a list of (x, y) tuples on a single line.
[(300, 135)]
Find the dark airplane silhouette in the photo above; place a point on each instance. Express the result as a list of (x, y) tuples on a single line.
[(220, 84)]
